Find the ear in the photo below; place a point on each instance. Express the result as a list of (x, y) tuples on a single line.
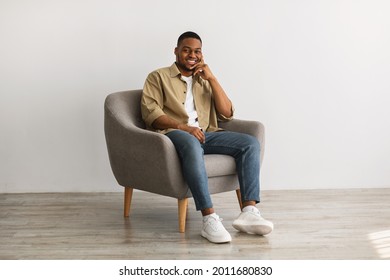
[(176, 51)]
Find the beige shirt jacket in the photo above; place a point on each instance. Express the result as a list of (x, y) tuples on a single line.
[(164, 93)]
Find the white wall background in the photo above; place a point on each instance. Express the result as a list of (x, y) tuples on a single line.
[(316, 73)]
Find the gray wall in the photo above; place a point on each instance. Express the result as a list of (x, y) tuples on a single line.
[(316, 73)]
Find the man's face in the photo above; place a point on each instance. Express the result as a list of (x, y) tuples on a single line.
[(188, 55)]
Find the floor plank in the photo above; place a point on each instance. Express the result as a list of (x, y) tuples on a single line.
[(309, 224)]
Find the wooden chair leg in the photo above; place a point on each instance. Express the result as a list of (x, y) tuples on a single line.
[(128, 196), (239, 197), (183, 204)]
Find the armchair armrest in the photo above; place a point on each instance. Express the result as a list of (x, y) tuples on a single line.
[(149, 155), (253, 128)]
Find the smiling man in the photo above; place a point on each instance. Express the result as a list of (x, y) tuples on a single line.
[(185, 102)]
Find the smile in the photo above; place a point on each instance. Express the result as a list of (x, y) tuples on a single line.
[(192, 62)]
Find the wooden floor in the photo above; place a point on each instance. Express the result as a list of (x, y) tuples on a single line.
[(309, 224)]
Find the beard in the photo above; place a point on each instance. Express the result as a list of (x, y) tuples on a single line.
[(184, 67)]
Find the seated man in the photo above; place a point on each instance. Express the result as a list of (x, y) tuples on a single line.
[(184, 102)]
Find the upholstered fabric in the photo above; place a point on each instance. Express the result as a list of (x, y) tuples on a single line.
[(148, 161)]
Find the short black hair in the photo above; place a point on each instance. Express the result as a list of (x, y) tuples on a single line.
[(188, 34)]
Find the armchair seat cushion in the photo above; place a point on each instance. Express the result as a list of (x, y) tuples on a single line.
[(219, 165)]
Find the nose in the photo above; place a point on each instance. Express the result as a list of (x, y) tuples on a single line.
[(192, 54)]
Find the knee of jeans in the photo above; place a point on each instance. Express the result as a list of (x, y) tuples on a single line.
[(254, 143), (191, 148)]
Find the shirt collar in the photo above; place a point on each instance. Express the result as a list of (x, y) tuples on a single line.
[(174, 70)]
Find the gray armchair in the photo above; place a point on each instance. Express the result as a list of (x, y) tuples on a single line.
[(145, 160)]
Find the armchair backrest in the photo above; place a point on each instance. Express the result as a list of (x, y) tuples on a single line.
[(126, 105)]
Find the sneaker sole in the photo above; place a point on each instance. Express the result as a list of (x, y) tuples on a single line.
[(214, 239), (259, 229)]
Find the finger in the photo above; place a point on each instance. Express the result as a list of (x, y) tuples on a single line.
[(202, 136), (198, 64), (198, 69), (195, 66), (198, 134)]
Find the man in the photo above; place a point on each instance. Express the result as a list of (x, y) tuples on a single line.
[(185, 102)]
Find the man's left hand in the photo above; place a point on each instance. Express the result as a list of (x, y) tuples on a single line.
[(203, 70)]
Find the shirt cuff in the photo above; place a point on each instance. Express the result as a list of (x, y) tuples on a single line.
[(154, 115), (221, 117)]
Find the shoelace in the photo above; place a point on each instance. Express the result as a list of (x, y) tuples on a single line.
[(254, 211), (214, 222)]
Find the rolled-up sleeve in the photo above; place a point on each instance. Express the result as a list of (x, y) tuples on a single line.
[(152, 100), (223, 118)]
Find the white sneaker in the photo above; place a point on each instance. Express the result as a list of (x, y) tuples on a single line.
[(213, 230), (250, 221)]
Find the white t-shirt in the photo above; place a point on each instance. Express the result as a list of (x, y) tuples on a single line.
[(189, 103)]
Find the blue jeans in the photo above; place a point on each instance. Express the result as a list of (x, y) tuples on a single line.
[(245, 149)]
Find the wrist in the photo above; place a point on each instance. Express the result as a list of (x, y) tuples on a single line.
[(212, 79), (182, 126)]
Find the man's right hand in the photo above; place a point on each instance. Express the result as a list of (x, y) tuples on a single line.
[(194, 131), (164, 122)]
